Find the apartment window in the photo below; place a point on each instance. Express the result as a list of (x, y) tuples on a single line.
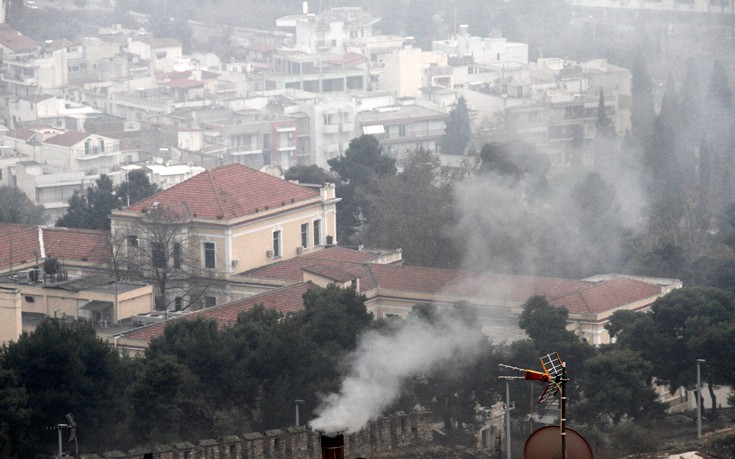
[(402, 130), (210, 301), (178, 301), (158, 255), (317, 232), (132, 240), (277, 243), (304, 235), (177, 255), (209, 255)]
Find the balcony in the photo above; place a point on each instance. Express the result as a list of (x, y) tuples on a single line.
[(25, 81), (330, 128)]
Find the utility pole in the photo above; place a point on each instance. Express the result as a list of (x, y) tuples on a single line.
[(507, 420)]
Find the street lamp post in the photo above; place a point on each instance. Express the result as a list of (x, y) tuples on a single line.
[(699, 399)]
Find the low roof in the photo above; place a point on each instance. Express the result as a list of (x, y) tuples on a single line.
[(22, 244), (16, 41), (227, 192), (577, 296), (607, 295), (68, 139), (286, 300), (332, 257)]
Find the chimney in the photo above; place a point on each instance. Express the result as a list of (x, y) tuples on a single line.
[(333, 447)]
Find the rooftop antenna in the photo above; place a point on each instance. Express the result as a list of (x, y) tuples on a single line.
[(543, 446), (71, 426)]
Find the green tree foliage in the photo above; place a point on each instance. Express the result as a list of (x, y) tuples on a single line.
[(414, 211), (546, 325), (308, 174), (157, 401), (14, 414), (604, 127), (615, 386), (15, 207), (361, 164), (66, 369), (135, 188), (458, 132), (516, 161), (683, 326), (92, 209)]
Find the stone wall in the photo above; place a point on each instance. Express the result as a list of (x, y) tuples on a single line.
[(384, 434)]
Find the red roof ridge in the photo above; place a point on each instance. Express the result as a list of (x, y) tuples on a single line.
[(216, 194)]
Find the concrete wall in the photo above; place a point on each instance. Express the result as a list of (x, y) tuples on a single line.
[(384, 434), (10, 315)]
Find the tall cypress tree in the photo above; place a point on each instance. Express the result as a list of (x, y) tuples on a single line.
[(642, 112), (458, 132)]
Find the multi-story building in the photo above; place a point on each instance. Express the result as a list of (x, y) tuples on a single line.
[(330, 31), (404, 127), (227, 220), (50, 187)]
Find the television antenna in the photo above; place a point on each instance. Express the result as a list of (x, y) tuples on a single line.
[(554, 374), (71, 426)]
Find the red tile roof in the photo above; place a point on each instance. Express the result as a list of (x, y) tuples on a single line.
[(332, 273), (286, 300), (334, 257), (227, 192), (68, 139), (468, 283), (20, 244), (77, 244), (16, 41), (607, 296), (20, 134)]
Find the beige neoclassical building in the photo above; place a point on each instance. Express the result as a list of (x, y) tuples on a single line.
[(222, 222)]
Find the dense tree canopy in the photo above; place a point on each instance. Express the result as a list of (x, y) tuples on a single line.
[(63, 369), (362, 163), (15, 207), (414, 211), (92, 209)]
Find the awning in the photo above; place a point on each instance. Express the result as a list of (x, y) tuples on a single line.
[(373, 129), (97, 306)]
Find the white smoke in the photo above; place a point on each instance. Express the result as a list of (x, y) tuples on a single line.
[(383, 361)]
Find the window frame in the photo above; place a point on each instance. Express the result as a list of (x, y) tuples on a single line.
[(304, 235), (209, 259), (317, 232), (276, 243)]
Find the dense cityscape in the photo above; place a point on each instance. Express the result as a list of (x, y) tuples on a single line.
[(237, 229)]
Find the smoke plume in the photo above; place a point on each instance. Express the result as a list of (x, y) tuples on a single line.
[(384, 360)]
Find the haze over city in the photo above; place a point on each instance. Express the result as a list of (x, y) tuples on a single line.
[(293, 229)]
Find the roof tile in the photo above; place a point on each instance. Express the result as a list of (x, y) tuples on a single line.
[(286, 300), (227, 192)]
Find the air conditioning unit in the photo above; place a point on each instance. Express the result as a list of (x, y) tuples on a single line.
[(235, 263), (299, 250), (269, 253)]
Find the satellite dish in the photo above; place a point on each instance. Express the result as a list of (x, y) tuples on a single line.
[(545, 443)]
